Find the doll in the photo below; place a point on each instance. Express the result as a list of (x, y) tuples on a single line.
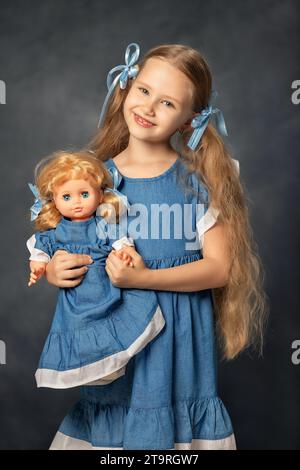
[(97, 327)]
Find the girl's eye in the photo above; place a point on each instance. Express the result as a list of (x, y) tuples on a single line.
[(85, 194), (171, 104), (66, 197), (141, 88), (144, 89)]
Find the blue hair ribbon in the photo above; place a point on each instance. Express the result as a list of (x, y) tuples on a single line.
[(35, 209), (117, 178), (200, 122), (129, 70)]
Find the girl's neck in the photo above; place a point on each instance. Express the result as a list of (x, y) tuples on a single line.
[(139, 152)]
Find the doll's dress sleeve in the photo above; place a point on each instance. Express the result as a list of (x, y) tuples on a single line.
[(41, 246)]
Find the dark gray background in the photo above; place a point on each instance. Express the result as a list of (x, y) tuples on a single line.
[(54, 59)]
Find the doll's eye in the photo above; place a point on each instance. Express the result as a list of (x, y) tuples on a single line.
[(85, 194), (66, 197)]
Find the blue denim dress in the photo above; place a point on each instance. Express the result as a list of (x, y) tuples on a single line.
[(97, 327), (167, 398)]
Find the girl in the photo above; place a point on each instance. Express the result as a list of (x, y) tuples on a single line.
[(96, 328), (208, 278)]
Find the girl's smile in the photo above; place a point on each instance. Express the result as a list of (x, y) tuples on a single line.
[(142, 122)]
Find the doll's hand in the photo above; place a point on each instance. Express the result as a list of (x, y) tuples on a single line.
[(125, 257), (122, 275), (37, 269)]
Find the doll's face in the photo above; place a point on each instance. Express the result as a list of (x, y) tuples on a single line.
[(162, 95), (77, 199)]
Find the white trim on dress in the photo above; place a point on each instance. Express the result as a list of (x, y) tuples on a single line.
[(103, 368), (63, 442)]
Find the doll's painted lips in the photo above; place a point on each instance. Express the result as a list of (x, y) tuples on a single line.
[(142, 122)]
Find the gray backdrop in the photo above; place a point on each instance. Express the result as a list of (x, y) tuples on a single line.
[(54, 61)]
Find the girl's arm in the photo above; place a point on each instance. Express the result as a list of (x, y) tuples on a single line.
[(207, 273)]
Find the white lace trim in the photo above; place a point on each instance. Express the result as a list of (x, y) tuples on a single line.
[(237, 164), (118, 244), (205, 223), (35, 253), (63, 442)]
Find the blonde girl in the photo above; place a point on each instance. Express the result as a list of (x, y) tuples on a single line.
[(157, 130)]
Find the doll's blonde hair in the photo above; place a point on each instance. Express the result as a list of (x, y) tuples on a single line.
[(61, 166), (241, 307)]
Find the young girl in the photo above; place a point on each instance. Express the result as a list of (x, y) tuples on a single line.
[(96, 328), (207, 284)]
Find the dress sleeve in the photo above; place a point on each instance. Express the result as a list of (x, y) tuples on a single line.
[(118, 244), (206, 214), (40, 246)]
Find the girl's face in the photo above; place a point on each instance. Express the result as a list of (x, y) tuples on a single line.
[(77, 199), (158, 102)]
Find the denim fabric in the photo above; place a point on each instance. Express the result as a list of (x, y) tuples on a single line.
[(169, 392), (95, 319)]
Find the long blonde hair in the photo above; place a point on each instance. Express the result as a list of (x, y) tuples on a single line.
[(241, 307), (61, 166)]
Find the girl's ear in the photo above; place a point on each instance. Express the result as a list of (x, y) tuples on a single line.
[(187, 123)]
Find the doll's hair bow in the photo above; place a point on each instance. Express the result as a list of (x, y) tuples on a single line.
[(102, 225), (116, 178), (200, 122), (129, 70), (36, 208)]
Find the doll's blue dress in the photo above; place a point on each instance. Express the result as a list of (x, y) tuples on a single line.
[(97, 327), (168, 397)]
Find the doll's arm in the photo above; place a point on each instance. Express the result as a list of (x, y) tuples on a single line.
[(119, 244), (36, 254), (37, 269), (38, 260)]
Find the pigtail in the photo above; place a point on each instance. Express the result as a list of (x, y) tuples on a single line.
[(49, 217), (111, 208), (241, 306)]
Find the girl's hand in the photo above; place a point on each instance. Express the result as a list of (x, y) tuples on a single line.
[(124, 256), (122, 275), (67, 269), (37, 269)]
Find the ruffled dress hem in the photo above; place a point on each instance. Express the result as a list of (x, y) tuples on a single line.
[(105, 370), (202, 422)]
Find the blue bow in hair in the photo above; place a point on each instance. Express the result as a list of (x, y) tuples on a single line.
[(117, 178), (102, 226), (128, 71), (201, 120), (35, 209)]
